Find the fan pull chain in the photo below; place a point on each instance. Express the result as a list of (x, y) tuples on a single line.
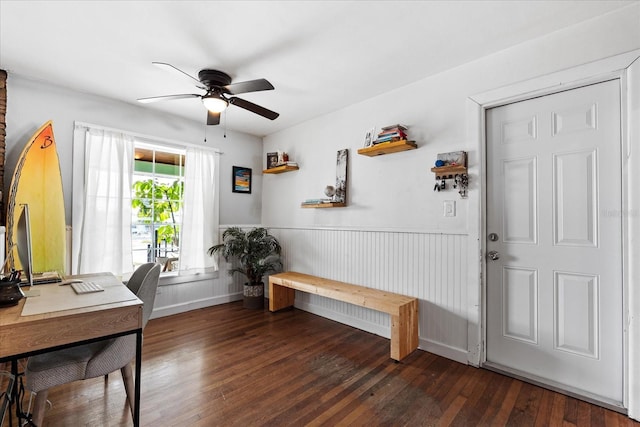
[(205, 133), (225, 124)]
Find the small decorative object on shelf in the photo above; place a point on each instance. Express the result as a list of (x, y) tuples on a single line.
[(272, 160), (278, 162), (330, 191), (369, 137), (277, 158), (452, 166)]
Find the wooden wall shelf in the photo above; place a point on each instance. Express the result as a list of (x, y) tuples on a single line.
[(388, 148), (323, 205), (281, 169), (449, 171)]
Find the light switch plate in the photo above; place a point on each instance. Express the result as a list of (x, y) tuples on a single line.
[(449, 208)]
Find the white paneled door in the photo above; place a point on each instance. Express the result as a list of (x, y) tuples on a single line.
[(554, 240)]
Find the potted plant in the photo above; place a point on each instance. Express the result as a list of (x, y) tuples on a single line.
[(254, 253)]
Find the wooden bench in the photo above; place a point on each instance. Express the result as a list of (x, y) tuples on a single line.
[(403, 309)]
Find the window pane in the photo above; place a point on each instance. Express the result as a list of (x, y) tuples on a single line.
[(157, 204)]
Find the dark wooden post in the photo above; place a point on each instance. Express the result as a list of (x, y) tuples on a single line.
[(3, 134)]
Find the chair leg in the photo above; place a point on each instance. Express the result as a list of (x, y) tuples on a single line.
[(127, 377), (39, 406)]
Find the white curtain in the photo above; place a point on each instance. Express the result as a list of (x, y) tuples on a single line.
[(105, 238), (200, 212)]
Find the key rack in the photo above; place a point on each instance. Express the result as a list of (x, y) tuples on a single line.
[(452, 166)]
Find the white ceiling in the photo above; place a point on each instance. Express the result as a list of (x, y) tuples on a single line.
[(319, 55)]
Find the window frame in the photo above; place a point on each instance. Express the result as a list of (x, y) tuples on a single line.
[(168, 278)]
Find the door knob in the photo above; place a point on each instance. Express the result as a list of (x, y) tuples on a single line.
[(493, 255)]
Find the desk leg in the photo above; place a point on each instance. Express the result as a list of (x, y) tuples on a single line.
[(14, 392), (7, 397), (136, 409), (280, 296)]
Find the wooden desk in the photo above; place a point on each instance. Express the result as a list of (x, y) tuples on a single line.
[(24, 336)]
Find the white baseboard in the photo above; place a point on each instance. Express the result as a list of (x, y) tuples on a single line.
[(194, 305), (347, 320), (453, 353)]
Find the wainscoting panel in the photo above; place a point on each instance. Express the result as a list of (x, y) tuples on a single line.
[(429, 266), (175, 296)]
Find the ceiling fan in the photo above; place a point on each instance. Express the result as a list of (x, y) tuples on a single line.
[(218, 87)]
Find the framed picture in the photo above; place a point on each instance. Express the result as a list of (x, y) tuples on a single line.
[(272, 160), (370, 137), (454, 158), (241, 180)]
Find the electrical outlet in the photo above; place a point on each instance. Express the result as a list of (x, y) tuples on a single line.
[(449, 208)]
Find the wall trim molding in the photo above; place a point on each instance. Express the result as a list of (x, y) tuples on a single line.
[(373, 328), (194, 305), (444, 350), (425, 344), (370, 229)]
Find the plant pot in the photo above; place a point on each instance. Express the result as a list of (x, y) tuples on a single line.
[(253, 296)]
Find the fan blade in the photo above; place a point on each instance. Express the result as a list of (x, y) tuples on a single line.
[(248, 86), (213, 118), (254, 108), (168, 98), (171, 68)]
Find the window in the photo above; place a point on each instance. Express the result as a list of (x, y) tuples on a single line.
[(142, 198), (157, 202)]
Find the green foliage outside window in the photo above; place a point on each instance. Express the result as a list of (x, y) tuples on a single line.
[(158, 203)]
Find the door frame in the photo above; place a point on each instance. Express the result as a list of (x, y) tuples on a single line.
[(625, 68)]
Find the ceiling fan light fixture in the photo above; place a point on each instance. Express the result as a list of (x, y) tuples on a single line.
[(215, 104)]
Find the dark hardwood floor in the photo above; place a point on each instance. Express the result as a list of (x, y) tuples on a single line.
[(226, 365)]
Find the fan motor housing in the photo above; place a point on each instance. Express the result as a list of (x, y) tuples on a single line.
[(214, 78)]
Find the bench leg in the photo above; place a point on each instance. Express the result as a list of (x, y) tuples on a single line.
[(280, 296), (404, 331)]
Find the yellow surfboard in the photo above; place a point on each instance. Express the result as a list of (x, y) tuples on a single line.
[(37, 182)]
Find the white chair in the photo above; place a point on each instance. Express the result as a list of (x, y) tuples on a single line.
[(96, 359)]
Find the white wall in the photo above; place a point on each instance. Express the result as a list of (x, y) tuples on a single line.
[(394, 193), (31, 103)]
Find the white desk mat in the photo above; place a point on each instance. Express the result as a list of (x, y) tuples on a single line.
[(54, 297)]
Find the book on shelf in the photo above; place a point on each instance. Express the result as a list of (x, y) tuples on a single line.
[(287, 164), (394, 131), (316, 201), (399, 126), (400, 135), (388, 139)]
